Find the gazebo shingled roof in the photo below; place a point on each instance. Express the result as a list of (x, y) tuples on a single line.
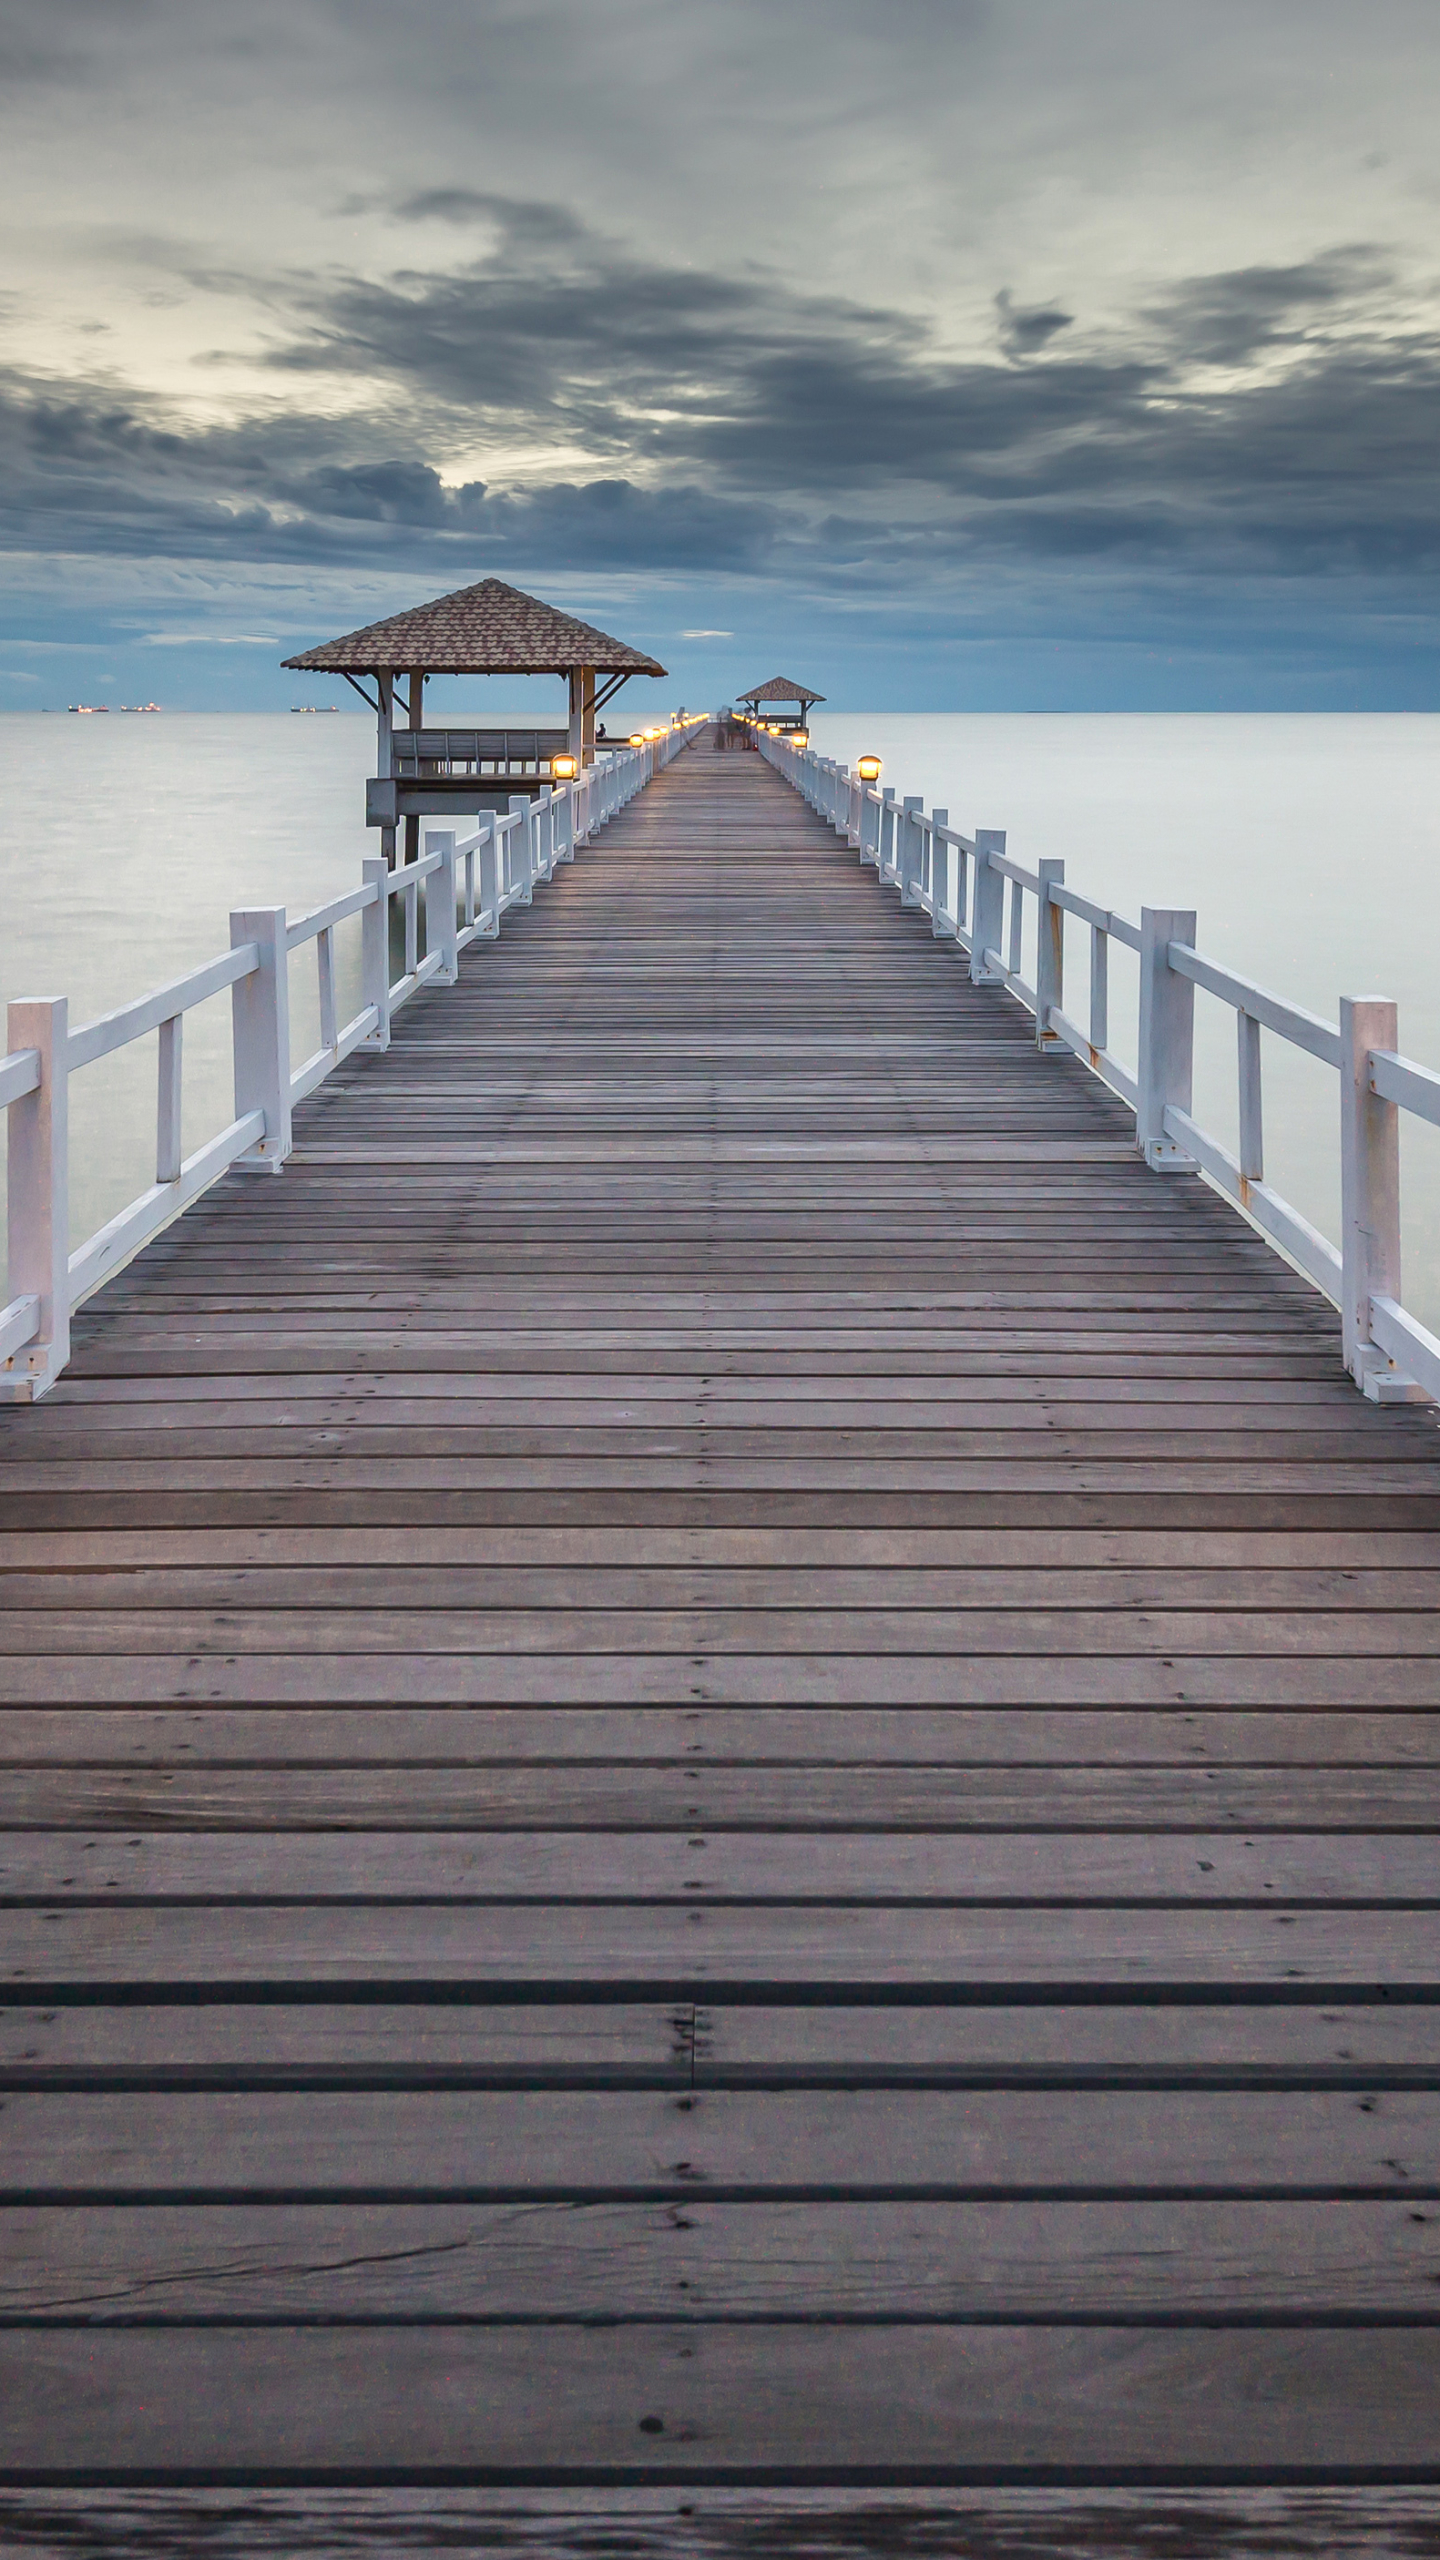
[(780, 689), (489, 629)]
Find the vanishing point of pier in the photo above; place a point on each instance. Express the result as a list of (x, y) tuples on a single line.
[(721, 1763)]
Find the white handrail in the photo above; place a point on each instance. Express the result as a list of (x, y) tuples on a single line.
[(1388, 1352), (523, 846)]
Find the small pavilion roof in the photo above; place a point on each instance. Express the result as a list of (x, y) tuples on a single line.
[(489, 629), (780, 689)]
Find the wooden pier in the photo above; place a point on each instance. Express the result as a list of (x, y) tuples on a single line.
[(722, 1779)]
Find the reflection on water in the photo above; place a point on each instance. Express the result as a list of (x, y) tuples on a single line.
[(1307, 845)]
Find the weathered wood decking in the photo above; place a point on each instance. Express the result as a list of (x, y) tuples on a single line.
[(720, 1767)]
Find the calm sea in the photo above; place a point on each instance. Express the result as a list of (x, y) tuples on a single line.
[(1308, 846)]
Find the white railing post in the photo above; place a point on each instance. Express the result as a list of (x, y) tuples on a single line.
[(1049, 952), (1099, 990), (545, 830), (942, 922), (487, 901), (440, 925), (38, 1189), (989, 918), (1369, 1196), (520, 842), (260, 1025), (563, 810), (869, 825), (1167, 1037), (169, 1094), (885, 841), (375, 950), (910, 850)]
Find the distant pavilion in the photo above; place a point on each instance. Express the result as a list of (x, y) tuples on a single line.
[(782, 689), (485, 630)]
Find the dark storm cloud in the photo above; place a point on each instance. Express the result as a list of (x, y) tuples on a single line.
[(1228, 319), (734, 422), (1024, 331), (89, 474)]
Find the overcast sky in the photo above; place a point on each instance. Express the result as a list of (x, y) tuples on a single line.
[(946, 353)]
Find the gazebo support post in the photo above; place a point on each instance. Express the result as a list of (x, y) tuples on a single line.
[(385, 754), (416, 721), (582, 715)]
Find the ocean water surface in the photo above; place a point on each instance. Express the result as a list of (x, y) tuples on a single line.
[(1309, 846)]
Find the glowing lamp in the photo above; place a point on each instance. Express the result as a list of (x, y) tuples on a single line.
[(799, 737), (637, 737), (868, 768), (564, 768)]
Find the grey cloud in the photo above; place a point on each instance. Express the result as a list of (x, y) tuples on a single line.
[(1025, 330), (527, 227), (1229, 318)]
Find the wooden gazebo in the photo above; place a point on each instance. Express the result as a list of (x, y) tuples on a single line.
[(782, 689), (489, 629)]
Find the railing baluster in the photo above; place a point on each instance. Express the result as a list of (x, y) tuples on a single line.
[(523, 868), (260, 1023), (1252, 1126), (440, 926), (942, 921), (1049, 951), (38, 1197), (1099, 989), (989, 906), (908, 857), (375, 950), (1369, 1195), (1017, 928), (325, 968), (168, 1149), (1167, 1037)]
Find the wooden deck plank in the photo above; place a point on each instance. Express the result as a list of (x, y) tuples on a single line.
[(648, 2146), (570, 2259), (690, 1795), (723, 2402), (154, 1736), (652, 1950), (1052, 1871)]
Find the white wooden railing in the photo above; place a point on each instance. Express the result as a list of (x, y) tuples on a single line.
[(960, 882), (467, 888)]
